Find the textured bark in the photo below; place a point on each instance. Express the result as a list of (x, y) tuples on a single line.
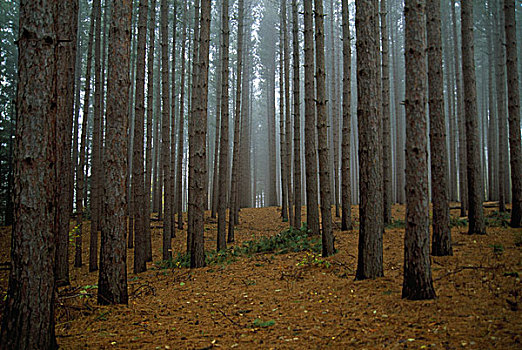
[(324, 162), (501, 110), (312, 206), (215, 179), (165, 131), (514, 114), (172, 173), (282, 135), (441, 241), (369, 264), (138, 186), (288, 118), (492, 123), (346, 188), (150, 120), (474, 170), (386, 126), (28, 317), (80, 170), (463, 191), (223, 144), (334, 130), (96, 141), (297, 117), (112, 282), (181, 137), (234, 200), (197, 254), (417, 283)]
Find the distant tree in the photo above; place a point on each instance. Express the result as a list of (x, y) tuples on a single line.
[(28, 317), (197, 254), (346, 188), (138, 179), (514, 114), (475, 184), (324, 162), (223, 144), (312, 206), (369, 263), (112, 282), (441, 242), (288, 116), (282, 134), (417, 283)]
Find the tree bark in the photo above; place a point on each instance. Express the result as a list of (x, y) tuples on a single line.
[(474, 170), (369, 264), (417, 283), (324, 162), (514, 114), (386, 126), (288, 120), (112, 283), (346, 188), (297, 117), (312, 205), (28, 317), (441, 241), (282, 134)]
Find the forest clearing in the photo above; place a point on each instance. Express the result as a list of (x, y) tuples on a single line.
[(291, 300)]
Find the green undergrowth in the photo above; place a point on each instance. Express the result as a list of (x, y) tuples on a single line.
[(498, 219), (287, 241)]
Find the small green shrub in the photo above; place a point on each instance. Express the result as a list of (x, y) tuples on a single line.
[(458, 222), (259, 323), (396, 224), (498, 219)]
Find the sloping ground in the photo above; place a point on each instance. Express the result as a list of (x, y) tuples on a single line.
[(300, 300)]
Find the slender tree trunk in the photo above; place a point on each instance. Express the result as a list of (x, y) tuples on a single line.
[(335, 112), (234, 202), (474, 171), (324, 162), (297, 117), (514, 114), (138, 186), (386, 126), (81, 174), (215, 179), (441, 242), (369, 264), (197, 255), (312, 206), (418, 284), (28, 317), (288, 120), (224, 146), (96, 141), (282, 135), (172, 173), (181, 136), (346, 188), (132, 118), (150, 121)]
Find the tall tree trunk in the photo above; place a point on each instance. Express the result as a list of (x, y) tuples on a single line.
[(197, 255), (181, 137), (215, 179), (474, 170), (335, 111), (150, 121), (96, 141), (369, 264), (138, 186), (312, 206), (282, 135), (234, 200), (441, 242), (271, 181), (386, 126), (288, 120), (112, 282), (80, 170), (28, 317), (172, 173), (460, 119), (346, 188), (165, 131), (514, 114), (417, 283), (223, 144), (324, 162), (492, 124), (297, 117)]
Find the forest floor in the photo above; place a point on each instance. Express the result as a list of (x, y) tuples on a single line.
[(287, 300)]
